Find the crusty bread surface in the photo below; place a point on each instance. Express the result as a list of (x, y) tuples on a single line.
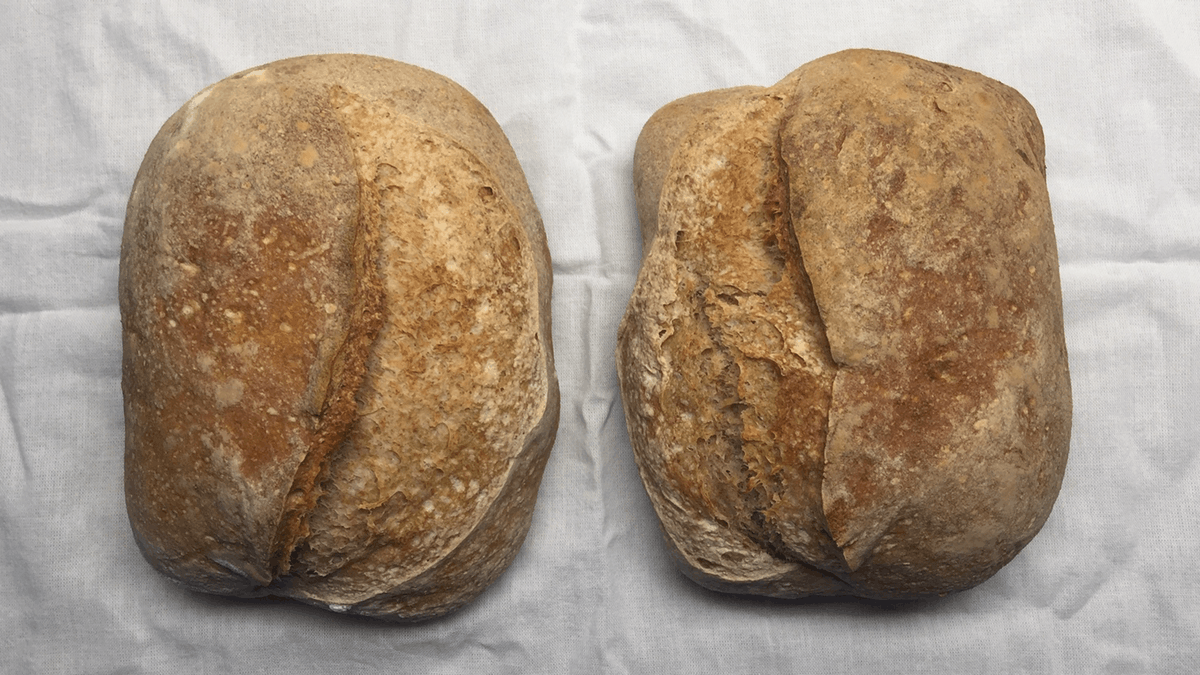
[(338, 373), (843, 364)]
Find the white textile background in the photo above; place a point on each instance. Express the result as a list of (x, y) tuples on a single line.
[(1110, 585)]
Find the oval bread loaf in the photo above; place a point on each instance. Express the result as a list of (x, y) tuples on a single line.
[(843, 364), (338, 373)]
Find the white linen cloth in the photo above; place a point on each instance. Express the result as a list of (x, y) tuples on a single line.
[(1110, 585)]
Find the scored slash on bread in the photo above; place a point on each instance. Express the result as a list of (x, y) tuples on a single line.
[(843, 364)]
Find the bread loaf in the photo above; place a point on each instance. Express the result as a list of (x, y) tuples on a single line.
[(843, 364), (338, 373)]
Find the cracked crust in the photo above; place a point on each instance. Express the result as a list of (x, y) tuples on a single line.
[(338, 373), (843, 363)]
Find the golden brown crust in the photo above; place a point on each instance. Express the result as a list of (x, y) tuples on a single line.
[(335, 290), (901, 397)]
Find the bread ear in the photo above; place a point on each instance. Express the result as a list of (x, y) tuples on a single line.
[(240, 289)]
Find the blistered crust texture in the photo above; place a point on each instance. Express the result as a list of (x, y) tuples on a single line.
[(338, 375), (843, 364)]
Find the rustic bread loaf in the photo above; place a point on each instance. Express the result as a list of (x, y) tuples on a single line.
[(843, 364), (338, 373)]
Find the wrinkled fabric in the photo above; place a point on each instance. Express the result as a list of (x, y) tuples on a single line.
[(1108, 586)]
